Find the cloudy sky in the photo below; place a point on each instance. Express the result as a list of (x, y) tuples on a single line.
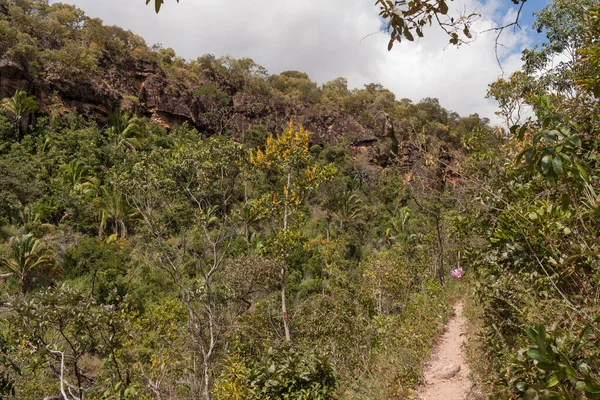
[(323, 38)]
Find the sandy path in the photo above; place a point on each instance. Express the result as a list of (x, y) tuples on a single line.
[(447, 357)]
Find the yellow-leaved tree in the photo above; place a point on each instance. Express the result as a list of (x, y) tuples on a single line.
[(288, 157)]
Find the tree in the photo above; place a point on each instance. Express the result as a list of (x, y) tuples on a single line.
[(28, 256), (63, 326), (550, 66), (217, 108), (388, 279), (126, 128), (287, 156), (114, 210), (20, 106), (537, 265), (349, 209), (185, 198)]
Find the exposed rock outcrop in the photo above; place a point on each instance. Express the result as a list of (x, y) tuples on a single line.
[(170, 101), (12, 77)]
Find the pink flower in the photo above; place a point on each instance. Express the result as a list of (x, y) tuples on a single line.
[(457, 273)]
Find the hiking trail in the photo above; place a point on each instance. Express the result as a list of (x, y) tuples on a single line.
[(447, 374)]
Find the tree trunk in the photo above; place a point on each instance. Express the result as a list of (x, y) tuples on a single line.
[(22, 283), (18, 127), (379, 298), (440, 249), (206, 382), (284, 313), (208, 355)]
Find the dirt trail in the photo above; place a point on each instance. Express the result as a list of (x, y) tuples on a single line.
[(447, 376)]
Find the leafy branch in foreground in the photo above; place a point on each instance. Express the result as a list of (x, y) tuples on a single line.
[(157, 4), (405, 19)]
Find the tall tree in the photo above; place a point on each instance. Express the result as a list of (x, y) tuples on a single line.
[(185, 198), (287, 156)]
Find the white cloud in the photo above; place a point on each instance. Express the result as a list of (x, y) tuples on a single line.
[(323, 38)]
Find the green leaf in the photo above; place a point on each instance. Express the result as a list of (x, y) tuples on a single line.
[(520, 155), (582, 172), (575, 140), (580, 385), (591, 388), (557, 165), (554, 379), (570, 374), (522, 131), (545, 366), (513, 130), (550, 136), (546, 162), (531, 394), (529, 155), (538, 355), (521, 386)]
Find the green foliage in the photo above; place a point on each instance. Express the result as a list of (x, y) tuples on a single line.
[(63, 320), (538, 266), (29, 261), (556, 366), (281, 373), (8, 369), (19, 106), (101, 265), (180, 252), (587, 68), (18, 184)]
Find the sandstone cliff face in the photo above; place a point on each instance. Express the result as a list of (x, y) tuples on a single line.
[(12, 78), (169, 102)]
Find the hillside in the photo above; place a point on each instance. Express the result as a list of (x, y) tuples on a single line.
[(95, 69), (178, 229)]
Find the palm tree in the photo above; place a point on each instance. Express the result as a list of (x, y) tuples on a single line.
[(81, 179), (20, 105), (127, 128), (28, 255), (114, 210), (350, 209)]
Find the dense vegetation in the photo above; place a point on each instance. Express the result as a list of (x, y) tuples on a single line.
[(175, 229), (538, 275), (144, 258)]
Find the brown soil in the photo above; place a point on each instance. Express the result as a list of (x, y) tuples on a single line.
[(447, 357)]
